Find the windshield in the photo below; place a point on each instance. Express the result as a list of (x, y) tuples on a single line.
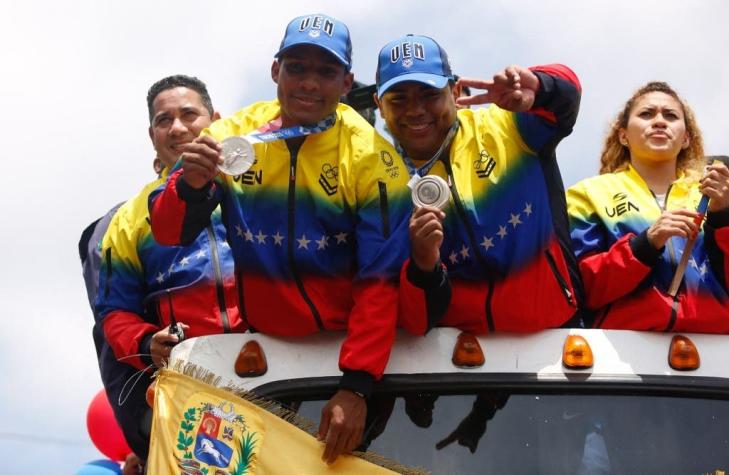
[(502, 433)]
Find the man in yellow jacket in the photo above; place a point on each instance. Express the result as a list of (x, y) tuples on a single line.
[(309, 222)]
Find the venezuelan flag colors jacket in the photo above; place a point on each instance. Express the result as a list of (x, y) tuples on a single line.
[(316, 232), (506, 246), (141, 282), (626, 279)]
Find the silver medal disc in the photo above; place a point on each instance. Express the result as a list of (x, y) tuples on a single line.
[(431, 190), (238, 156)]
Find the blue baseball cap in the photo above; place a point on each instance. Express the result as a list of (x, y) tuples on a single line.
[(412, 58), (319, 30)]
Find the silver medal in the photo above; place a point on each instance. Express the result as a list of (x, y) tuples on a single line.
[(431, 190), (238, 156)]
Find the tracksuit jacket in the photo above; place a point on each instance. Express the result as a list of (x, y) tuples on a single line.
[(143, 283), (626, 279), (313, 232), (506, 252)]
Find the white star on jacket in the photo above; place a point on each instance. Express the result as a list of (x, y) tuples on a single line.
[(303, 242), (453, 257), (261, 237), (464, 252), (277, 239), (322, 243), (341, 237), (487, 243)]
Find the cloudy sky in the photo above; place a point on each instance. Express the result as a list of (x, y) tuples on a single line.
[(74, 132)]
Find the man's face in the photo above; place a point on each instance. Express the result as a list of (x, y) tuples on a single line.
[(418, 116), (179, 116), (310, 83)]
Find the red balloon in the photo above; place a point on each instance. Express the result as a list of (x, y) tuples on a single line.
[(104, 431)]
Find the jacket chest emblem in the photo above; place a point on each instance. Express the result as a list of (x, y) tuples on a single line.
[(328, 179), (390, 168), (484, 164), (621, 204)]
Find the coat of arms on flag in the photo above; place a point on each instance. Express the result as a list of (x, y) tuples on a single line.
[(221, 437)]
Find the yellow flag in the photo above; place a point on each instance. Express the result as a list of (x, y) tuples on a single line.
[(199, 429)]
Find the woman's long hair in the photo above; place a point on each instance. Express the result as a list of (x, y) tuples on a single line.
[(615, 156)]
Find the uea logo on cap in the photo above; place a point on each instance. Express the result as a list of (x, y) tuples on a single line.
[(407, 51), (317, 25)]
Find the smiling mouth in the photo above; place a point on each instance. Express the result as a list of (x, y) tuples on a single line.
[(417, 127), (307, 100), (176, 147)]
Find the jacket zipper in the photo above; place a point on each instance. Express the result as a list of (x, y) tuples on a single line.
[(294, 153), (218, 279), (460, 210), (384, 215), (560, 279)]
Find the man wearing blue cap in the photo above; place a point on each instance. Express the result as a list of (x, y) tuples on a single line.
[(502, 234), (309, 221)]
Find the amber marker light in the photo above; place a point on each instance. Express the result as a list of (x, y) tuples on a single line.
[(683, 355), (150, 393), (467, 353), (577, 353), (251, 360)]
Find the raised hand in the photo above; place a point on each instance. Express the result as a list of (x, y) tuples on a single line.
[(200, 160), (513, 89), (715, 185), (426, 236)]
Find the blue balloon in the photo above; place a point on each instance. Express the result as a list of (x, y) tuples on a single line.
[(100, 467)]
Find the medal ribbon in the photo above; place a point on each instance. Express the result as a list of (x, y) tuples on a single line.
[(272, 131)]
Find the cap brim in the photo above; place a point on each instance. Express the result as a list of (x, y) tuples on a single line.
[(328, 50), (432, 80)]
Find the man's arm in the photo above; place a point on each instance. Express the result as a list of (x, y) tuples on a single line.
[(181, 209), (118, 306), (425, 290), (546, 100), (381, 243)]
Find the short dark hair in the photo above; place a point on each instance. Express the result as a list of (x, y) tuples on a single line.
[(178, 80)]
